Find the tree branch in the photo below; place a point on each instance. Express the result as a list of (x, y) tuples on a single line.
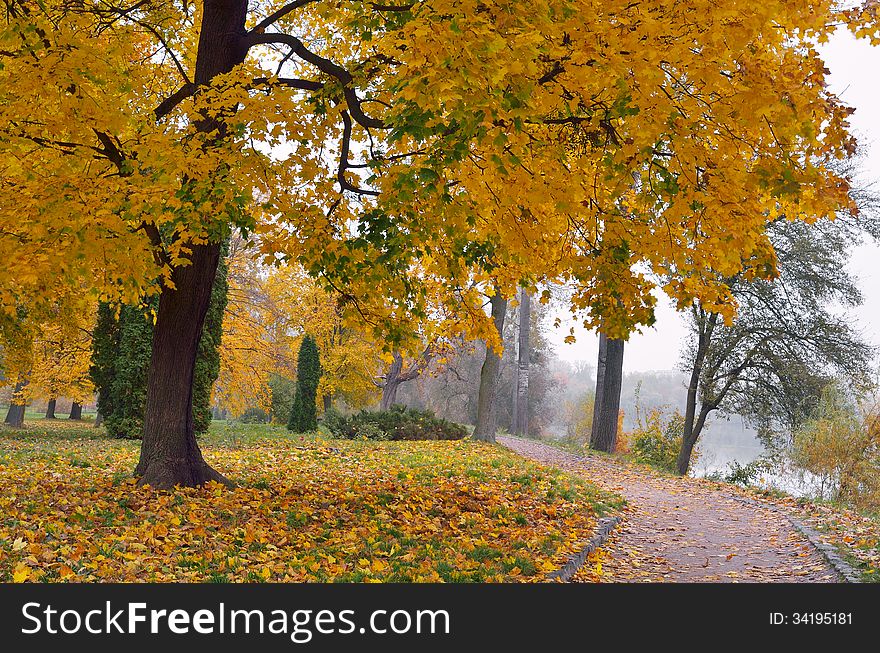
[(278, 15), (343, 159), (325, 66), (167, 105)]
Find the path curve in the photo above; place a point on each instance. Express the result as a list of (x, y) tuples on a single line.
[(684, 529)]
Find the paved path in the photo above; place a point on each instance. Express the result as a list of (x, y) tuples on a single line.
[(684, 529)]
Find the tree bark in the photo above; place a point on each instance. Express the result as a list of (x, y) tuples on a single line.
[(484, 430), (392, 382), (15, 414), (76, 411), (170, 454), (522, 366), (50, 408), (600, 383), (99, 419), (607, 408), (328, 403), (689, 440)]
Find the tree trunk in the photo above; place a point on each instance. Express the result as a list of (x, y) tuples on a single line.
[(15, 414), (600, 384), (50, 409), (99, 419), (689, 440), (607, 408), (328, 403), (522, 366), (392, 382), (693, 425), (76, 411), (486, 409), (170, 454)]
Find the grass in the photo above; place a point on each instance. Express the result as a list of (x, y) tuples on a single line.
[(307, 509)]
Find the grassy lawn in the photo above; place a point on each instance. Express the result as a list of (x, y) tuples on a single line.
[(307, 509)]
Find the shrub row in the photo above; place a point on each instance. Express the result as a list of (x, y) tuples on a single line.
[(399, 423)]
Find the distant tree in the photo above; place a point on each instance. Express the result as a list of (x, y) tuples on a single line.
[(399, 373), (50, 408), (304, 412), (282, 390), (521, 403), (486, 423), (787, 342), (15, 414), (76, 411), (606, 407)]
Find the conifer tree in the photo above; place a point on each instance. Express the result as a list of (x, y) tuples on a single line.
[(304, 413)]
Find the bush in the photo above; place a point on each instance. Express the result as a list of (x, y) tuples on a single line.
[(656, 441), (282, 390), (399, 423), (841, 447), (254, 415), (745, 475)]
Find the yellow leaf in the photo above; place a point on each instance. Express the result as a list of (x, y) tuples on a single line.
[(21, 574)]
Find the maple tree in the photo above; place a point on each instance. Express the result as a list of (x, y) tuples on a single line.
[(405, 154)]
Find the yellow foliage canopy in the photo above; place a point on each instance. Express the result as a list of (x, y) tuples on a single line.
[(611, 143)]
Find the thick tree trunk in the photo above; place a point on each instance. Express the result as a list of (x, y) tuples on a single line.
[(170, 454), (15, 414), (328, 403), (76, 411), (607, 408), (522, 366), (50, 408), (392, 382), (486, 408), (99, 419)]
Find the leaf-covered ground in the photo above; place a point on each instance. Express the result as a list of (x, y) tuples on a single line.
[(306, 510), (856, 536), (686, 529)]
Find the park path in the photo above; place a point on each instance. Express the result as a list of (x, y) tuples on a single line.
[(684, 529)]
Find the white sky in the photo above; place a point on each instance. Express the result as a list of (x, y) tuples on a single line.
[(854, 66)]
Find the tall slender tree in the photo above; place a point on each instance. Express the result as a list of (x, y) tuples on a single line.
[(521, 412), (304, 411)]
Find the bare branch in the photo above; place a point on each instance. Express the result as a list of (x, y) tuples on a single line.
[(343, 159), (278, 15), (325, 66), (167, 105)]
